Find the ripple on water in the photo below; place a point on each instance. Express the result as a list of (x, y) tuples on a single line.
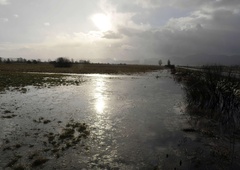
[(132, 120)]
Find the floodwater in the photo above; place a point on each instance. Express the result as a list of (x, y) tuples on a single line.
[(135, 122)]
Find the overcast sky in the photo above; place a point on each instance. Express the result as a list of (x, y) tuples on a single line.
[(120, 30)]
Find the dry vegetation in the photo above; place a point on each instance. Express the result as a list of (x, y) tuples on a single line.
[(213, 93), (77, 68)]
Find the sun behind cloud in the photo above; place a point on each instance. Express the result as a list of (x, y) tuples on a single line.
[(102, 22)]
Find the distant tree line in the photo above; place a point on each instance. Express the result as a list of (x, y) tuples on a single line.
[(65, 62), (59, 62), (18, 60)]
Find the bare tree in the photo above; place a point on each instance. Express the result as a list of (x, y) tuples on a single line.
[(168, 63), (160, 62)]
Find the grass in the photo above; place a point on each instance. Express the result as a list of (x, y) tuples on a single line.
[(77, 68), (39, 161), (53, 145), (215, 93), (18, 80), (19, 75)]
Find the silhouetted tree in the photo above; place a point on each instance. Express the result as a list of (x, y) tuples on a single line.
[(160, 62), (8, 61), (62, 62), (168, 63), (84, 61), (34, 61), (20, 60)]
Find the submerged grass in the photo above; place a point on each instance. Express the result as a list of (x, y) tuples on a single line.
[(17, 80), (53, 145), (19, 75)]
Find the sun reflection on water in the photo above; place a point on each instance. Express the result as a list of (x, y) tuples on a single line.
[(100, 103)]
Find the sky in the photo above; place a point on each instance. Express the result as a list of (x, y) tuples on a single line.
[(136, 31)]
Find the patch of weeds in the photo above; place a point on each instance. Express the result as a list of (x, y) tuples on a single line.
[(189, 130), (13, 161), (23, 90), (221, 152), (31, 156), (19, 81), (19, 167), (7, 148), (81, 128), (8, 117), (39, 161), (42, 120), (70, 136), (207, 132), (46, 121), (55, 145), (18, 145), (67, 133), (31, 145), (7, 111), (6, 141)]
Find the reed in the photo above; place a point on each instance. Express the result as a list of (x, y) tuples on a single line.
[(215, 92)]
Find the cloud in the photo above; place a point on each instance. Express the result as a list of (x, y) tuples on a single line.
[(184, 4), (46, 24), (112, 35), (211, 28), (4, 19), (121, 19), (16, 16), (177, 29), (4, 2), (127, 47)]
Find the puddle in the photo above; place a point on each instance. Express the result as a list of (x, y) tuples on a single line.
[(134, 122)]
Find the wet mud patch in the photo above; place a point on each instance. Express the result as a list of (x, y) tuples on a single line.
[(40, 147)]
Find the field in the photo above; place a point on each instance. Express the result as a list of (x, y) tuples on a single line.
[(78, 68), (100, 123), (117, 120), (16, 76)]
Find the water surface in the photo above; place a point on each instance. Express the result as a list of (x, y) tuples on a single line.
[(135, 122)]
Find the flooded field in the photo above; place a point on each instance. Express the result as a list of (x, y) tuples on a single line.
[(106, 122)]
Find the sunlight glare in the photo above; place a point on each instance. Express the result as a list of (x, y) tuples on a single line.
[(102, 22), (100, 99)]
